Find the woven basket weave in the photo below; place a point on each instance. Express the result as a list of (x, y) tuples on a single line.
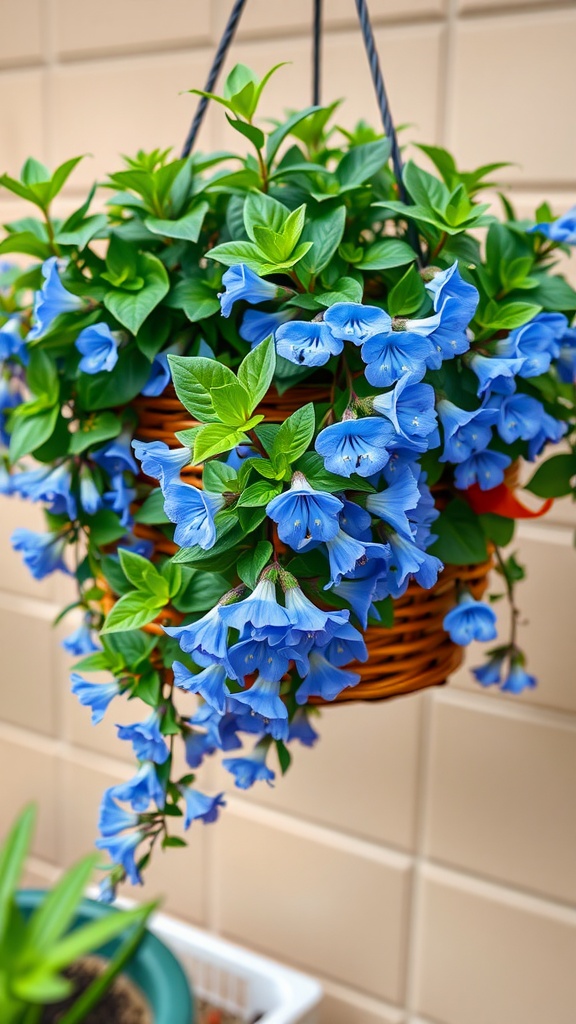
[(414, 652)]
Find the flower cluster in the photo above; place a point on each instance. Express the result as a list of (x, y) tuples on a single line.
[(260, 418)]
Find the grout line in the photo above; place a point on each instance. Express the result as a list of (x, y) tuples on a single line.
[(415, 905), (504, 10), (507, 708), (35, 607), (479, 885), (548, 533), (372, 1005)]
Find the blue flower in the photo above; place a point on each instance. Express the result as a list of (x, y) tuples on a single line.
[(470, 620), (561, 230), (197, 746), (358, 591), (193, 511), (410, 409), (43, 553), (122, 850), (271, 660), (50, 485), (256, 326), (119, 498), (159, 378), (263, 697), (449, 284), (80, 641), (489, 674), (52, 300), (116, 456), (248, 770), (355, 446), (536, 342), (394, 355), (161, 462), (566, 364), (392, 504), (550, 430), (11, 341), (308, 343), (303, 514), (90, 497), (356, 521), (519, 416), (309, 624), (483, 468), (98, 348), (407, 559), (113, 819), (465, 432), (144, 787), (201, 807), (146, 739), (259, 614), (301, 729), (495, 374), (351, 321), (518, 680), (445, 331), (242, 283), (343, 554), (324, 680), (94, 695), (346, 645), (206, 640), (210, 683)]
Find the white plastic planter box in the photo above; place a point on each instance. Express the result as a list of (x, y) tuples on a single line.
[(234, 979)]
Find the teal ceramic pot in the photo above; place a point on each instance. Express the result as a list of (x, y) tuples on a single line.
[(153, 968)]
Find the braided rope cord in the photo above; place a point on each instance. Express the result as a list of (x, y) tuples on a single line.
[(317, 53)]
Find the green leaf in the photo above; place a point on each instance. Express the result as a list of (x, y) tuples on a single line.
[(108, 390), (407, 295), (256, 371), (13, 853), (195, 378), (231, 404), (202, 591), (91, 937), (30, 432), (499, 316), (104, 527), (461, 540), (363, 162), (284, 756), (151, 512), (195, 297), (142, 573), (215, 438), (249, 131), (259, 493), (42, 377), (426, 190), (149, 688), (346, 289), (132, 308), (129, 649), (295, 434), (498, 529), (97, 662), (261, 210), (41, 987), (553, 479), (187, 227), (25, 242), (251, 563), (94, 430), (312, 466), (60, 905), (386, 254), (218, 477), (84, 233), (276, 137), (325, 232), (132, 611), (61, 175)]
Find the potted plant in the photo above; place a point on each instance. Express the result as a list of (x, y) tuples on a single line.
[(278, 403), (69, 959)]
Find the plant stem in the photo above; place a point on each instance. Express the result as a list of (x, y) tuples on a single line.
[(514, 610), (438, 248)]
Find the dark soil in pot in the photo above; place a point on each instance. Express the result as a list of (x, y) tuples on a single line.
[(123, 1003)]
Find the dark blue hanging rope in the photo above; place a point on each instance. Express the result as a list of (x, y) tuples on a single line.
[(316, 53), (219, 57)]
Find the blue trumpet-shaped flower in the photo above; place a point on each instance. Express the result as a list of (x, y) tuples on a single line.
[(43, 553), (116, 456), (119, 498), (355, 446), (210, 683), (90, 497), (80, 641), (11, 341), (52, 300), (395, 501), (351, 321), (551, 429), (112, 818), (146, 739), (518, 680), (98, 348), (308, 343), (490, 673), (94, 695), (271, 660), (53, 486), (193, 511), (142, 789), (357, 589), (566, 364), (561, 230), (200, 807), (343, 554), (346, 645), (303, 514), (519, 416), (395, 355), (483, 468), (536, 342), (465, 432), (410, 409), (470, 620), (159, 378), (122, 850), (248, 770), (324, 680), (449, 284), (495, 374), (161, 462), (258, 615), (206, 640), (242, 283), (300, 728), (309, 624), (263, 697), (407, 559), (256, 326)]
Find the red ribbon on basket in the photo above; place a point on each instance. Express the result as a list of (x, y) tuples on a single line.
[(502, 501)]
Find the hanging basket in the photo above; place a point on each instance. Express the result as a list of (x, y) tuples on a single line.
[(415, 652)]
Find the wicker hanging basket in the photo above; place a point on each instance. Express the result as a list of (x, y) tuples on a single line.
[(415, 652)]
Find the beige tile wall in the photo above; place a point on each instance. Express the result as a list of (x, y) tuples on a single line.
[(421, 860)]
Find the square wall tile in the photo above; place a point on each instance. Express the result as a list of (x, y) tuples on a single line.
[(499, 106), (22, 133), (29, 773), (342, 1006), (326, 908), (22, 29), (546, 598), (361, 775), (263, 18), (501, 796), (113, 26), (27, 673), (485, 956), (110, 108)]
